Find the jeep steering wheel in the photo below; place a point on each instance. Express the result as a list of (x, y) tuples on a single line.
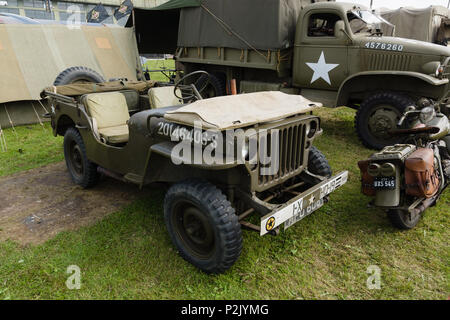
[(195, 88)]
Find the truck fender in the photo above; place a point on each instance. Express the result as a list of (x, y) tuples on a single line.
[(359, 85)]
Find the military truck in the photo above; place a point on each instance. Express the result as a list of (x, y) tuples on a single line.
[(330, 52), (209, 152)]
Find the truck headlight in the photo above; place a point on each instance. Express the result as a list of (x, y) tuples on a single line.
[(432, 68), (387, 169)]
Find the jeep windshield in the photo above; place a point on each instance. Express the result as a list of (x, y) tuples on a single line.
[(364, 21)]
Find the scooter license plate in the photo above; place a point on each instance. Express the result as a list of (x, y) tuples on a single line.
[(384, 183)]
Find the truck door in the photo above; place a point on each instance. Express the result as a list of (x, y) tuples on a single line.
[(320, 57)]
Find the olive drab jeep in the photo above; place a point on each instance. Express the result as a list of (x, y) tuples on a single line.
[(223, 159)]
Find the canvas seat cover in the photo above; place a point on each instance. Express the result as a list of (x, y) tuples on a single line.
[(237, 111), (110, 113), (161, 97)]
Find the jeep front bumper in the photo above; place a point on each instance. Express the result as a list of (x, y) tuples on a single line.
[(302, 205)]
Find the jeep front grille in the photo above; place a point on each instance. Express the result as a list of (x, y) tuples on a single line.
[(291, 155)]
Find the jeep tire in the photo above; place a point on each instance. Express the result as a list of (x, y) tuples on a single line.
[(82, 171), (378, 114), (203, 225), (78, 75)]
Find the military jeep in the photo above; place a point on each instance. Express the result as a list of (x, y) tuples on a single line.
[(120, 130)]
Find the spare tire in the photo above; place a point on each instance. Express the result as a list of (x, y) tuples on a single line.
[(78, 75)]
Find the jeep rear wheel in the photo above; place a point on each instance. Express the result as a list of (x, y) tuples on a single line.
[(82, 171), (379, 114), (203, 225), (402, 219)]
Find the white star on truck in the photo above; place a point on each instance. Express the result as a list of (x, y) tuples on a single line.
[(321, 69)]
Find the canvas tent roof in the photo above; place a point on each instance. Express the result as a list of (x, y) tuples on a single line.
[(414, 23), (31, 56)]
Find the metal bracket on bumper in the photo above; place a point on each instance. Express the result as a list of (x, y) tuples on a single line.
[(302, 205)]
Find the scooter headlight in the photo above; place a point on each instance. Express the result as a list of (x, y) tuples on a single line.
[(374, 169), (427, 114), (387, 169)]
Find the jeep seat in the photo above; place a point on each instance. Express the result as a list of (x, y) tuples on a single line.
[(110, 115), (164, 97)]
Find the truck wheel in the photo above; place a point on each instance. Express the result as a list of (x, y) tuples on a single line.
[(377, 115), (318, 163), (215, 88), (401, 219), (82, 171), (203, 225), (78, 75)]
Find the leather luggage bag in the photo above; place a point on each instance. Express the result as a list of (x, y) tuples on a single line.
[(367, 187), (421, 178)]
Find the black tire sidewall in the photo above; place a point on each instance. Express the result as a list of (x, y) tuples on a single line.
[(397, 219), (318, 163), (395, 100), (182, 192), (88, 177), (73, 74)]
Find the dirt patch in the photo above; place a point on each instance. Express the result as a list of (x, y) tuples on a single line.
[(37, 204)]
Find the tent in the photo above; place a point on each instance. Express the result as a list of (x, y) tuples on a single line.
[(32, 56), (418, 24)]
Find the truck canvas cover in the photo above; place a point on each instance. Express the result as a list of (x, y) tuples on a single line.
[(418, 24), (265, 24), (241, 110)]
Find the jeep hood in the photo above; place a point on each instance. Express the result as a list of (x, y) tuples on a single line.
[(237, 111)]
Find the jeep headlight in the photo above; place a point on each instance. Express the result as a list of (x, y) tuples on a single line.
[(245, 150), (311, 129), (427, 114)]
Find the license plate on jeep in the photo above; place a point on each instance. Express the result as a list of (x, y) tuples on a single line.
[(384, 183), (302, 205)]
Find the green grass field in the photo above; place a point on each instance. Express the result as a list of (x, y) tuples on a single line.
[(157, 65), (128, 255)]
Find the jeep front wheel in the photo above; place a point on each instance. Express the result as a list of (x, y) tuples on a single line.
[(203, 225), (82, 171), (379, 114)]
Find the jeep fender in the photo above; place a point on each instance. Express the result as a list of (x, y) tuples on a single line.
[(359, 85)]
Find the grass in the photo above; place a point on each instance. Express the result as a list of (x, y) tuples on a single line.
[(29, 147), (157, 65), (128, 255)]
